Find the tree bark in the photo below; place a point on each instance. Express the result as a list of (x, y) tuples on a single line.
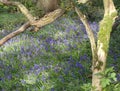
[(103, 43), (90, 35), (48, 5), (99, 54), (48, 18)]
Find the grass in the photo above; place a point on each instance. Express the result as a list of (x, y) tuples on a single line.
[(56, 58), (10, 21)]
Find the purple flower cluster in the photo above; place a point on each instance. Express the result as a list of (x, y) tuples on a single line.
[(36, 54)]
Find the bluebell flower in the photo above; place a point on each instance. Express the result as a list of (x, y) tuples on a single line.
[(52, 89), (43, 78), (82, 27), (23, 81), (61, 78), (66, 71), (73, 27), (56, 69), (115, 57), (43, 68), (9, 77), (84, 57), (94, 26), (36, 66), (22, 49), (67, 30), (73, 75), (79, 65), (118, 77), (37, 72)]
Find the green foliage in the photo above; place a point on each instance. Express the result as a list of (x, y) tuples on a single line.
[(93, 9), (28, 3), (25, 80), (31, 6), (117, 4), (8, 21), (107, 77), (108, 80), (58, 75), (86, 87), (4, 8)]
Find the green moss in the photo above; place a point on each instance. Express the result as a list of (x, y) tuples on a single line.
[(105, 30)]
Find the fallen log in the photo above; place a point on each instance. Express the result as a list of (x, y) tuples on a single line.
[(48, 18)]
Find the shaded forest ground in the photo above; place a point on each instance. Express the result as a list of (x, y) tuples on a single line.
[(32, 56)]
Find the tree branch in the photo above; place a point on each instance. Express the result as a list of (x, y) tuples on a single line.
[(90, 34), (103, 43), (11, 35)]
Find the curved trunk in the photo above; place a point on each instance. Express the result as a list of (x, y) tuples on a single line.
[(47, 5)]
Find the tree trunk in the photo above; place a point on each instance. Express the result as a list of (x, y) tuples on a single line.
[(47, 5), (103, 43), (99, 53)]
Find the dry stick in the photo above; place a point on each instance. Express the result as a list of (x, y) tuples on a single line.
[(11, 35)]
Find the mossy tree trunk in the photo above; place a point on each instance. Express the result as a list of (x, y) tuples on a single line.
[(103, 42), (100, 50)]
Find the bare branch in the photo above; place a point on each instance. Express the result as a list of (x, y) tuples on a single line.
[(13, 34), (90, 34)]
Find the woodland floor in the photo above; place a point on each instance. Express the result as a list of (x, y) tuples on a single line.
[(56, 58)]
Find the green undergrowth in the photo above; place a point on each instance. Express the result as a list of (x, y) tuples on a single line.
[(67, 69), (9, 21)]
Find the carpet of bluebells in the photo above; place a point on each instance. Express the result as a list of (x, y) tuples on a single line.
[(56, 58)]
